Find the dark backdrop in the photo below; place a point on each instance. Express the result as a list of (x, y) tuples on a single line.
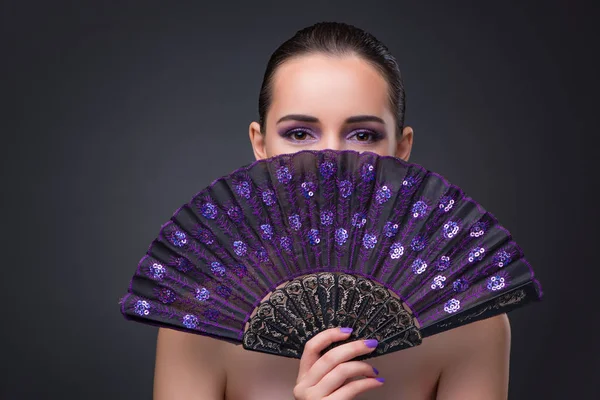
[(116, 113)]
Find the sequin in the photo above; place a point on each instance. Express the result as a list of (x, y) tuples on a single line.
[(327, 169), (418, 243), (476, 254), (359, 220), (203, 235), (495, 283), (450, 229), (202, 294), (438, 282), (182, 264), (224, 291), (208, 210), (240, 248), (443, 263), (396, 250), (142, 307), (166, 296), (243, 189), (326, 217), (313, 237), (157, 271), (341, 235), (211, 314), (446, 202), (240, 270), (262, 254), (286, 243), (283, 175), (268, 197), (408, 182), (390, 229), (460, 285), (190, 321), (367, 172), (369, 241), (419, 266), (346, 188), (217, 268), (478, 229), (267, 231), (236, 214), (295, 223), (383, 194), (419, 209), (502, 258), (308, 189), (452, 306), (179, 238)]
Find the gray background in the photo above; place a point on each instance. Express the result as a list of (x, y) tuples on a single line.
[(116, 113)]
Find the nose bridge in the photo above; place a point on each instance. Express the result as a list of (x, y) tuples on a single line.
[(331, 140)]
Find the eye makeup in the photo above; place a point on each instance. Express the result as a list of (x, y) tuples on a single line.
[(310, 135)]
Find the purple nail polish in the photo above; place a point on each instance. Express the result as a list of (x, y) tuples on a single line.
[(346, 330), (371, 343), (380, 379), (375, 370)]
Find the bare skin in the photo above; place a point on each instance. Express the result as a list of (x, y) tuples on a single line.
[(469, 362)]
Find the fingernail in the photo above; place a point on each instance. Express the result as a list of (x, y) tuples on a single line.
[(371, 343), (380, 379), (375, 370), (346, 330)]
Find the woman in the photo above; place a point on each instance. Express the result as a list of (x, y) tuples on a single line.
[(335, 86)]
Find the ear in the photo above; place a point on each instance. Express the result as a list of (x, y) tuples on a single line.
[(404, 145), (257, 139)]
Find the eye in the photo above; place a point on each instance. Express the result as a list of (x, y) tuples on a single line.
[(365, 136), (297, 135)]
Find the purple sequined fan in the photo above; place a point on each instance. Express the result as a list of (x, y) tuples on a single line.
[(284, 248)]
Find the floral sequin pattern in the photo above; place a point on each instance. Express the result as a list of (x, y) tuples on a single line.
[(502, 258), (308, 189), (266, 231), (369, 241), (142, 307), (496, 283), (202, 294), (190, 321), (390, 229), (367, 172), (443, 263), (446, 203), (418, 243), (438, 282), (452, 306), (383, 194), (235, 213), (268, 197), (419, 209), (217, 268), (294, 221), (243, 189), (478, 229), (341, 236), (157, 271), (396, 251), (359, 219), (327, 217), (313, 237), (179, 238), (166, 295), (345, 188), (283, 175), (327, 169), (204, 236), (460, 285), (240, 248), (418, 266), (208, 210), (476, 254), (450, 229)]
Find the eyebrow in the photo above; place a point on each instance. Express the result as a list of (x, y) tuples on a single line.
[(350, 120)]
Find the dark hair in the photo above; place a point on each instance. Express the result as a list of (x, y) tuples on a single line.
[(337, 38)]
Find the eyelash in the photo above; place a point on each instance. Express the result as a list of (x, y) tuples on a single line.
[(375, 136)]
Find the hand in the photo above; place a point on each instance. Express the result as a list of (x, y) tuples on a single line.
[(325, 377)]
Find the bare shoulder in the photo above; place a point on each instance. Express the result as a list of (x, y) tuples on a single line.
[(188, 366), (476, 358)]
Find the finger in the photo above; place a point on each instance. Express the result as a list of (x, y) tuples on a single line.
[(338, 355), (338, 376), (354, 388), (313, 348)]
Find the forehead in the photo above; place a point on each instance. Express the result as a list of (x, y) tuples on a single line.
[(329, 86)]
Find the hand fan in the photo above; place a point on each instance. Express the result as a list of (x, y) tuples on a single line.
[(277, 251)]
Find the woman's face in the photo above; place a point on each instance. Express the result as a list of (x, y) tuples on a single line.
[(329, 102)]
